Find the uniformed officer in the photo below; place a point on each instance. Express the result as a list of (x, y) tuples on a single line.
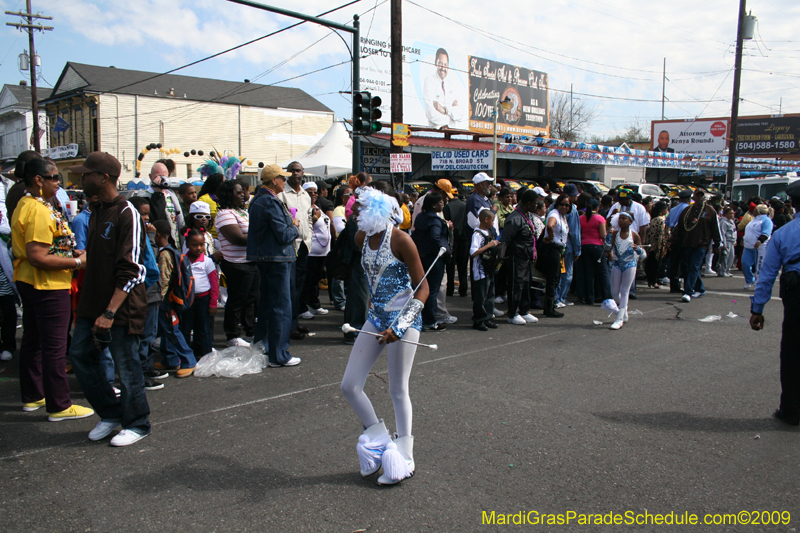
[(783, 251)]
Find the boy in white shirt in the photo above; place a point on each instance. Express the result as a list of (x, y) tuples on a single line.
[(484, 238)]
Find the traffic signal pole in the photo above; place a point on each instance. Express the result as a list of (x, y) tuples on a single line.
[(354, 29)]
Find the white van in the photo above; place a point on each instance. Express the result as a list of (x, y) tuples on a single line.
[(766, 187)]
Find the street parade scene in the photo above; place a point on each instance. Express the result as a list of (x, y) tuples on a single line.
[(453, 270)]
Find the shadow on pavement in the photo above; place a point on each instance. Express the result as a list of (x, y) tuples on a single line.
[(674, 420)]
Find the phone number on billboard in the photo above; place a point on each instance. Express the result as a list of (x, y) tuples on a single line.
[(766, 145)]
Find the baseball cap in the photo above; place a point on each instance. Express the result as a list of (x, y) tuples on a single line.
[(480, 177), (762, 209), (539, 191), (101, 162), (201, 208), (270, 172), (446, 187), (624, 193), (685, 193), (309, 185)]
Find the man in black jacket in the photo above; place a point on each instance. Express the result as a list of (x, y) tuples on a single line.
[(519, 236), (456, 212)]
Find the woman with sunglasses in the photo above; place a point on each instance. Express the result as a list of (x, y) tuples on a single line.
[(44, 245), (200, 219), (553, 246)]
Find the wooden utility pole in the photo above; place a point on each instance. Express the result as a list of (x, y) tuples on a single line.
[(396, 21), (737, 81), (30, 27)]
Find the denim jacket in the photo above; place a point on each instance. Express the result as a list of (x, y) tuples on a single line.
[(271, 235)]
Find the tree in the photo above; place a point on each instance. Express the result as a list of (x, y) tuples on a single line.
[(637, 131), (569, 116)]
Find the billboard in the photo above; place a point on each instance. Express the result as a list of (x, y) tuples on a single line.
[(492, 81), (440, 88), (707, 137), (768, 136)]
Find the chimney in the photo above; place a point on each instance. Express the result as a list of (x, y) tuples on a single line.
[(23, 83), (172, 91)]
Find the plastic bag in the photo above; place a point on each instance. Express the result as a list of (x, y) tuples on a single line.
[(232, 362), (710, 318)]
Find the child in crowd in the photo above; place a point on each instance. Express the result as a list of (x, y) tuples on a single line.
[(727, 227), (196, 321), (177, 354), (483, 239), (199, 218), (624, 250), (8, 305)]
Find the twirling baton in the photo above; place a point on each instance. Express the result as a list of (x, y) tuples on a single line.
[(347, 328), (442, 251)]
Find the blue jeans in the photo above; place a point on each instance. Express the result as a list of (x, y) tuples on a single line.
[(108, 365), (694, 261), (434, 285), (148, 336), (274, 323), (748, 262), (131, 408), (174, 347), (336, 292), (566, 278)]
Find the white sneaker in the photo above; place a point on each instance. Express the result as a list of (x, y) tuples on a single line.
[(102, 430), (5, 356), (559, 305), (710, 272), (569, 303), (530, 319), (126, 437), (498, 312), (294, 361), (664, 281), (238, 341), (686, 298), (697, 294), (518, 320), (749, 286), (450, 320), (499, 300), (308, 315), (320, 311)]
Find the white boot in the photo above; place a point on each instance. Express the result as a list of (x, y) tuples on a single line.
[(620, 319), (371, 446), (625, 318), (610, 306), (398, 461)]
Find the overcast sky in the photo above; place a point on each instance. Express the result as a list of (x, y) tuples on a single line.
[(611, 51)]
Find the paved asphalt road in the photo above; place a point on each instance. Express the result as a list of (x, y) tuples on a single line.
[(667, 415)]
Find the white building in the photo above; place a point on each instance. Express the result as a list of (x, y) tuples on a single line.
[(16, 120)]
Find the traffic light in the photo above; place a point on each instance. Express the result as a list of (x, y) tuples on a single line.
[(366, 113)]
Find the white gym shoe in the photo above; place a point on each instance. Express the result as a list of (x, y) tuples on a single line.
[(126, 437), (319, 311), (499, 300), (686, 298), (697, 294), (450, 319), (560, 305), (498, 312), (530, 319), (102, 430), (5, 356), (518, 320), (749, 286), (294, 361), (308, 315), (238, 341)]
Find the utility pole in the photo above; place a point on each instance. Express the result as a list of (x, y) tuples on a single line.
[(570, 113), (30, 27), (663, 88), (396, 21), (737, 81)]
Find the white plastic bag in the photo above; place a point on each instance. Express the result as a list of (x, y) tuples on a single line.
[(232, 362)]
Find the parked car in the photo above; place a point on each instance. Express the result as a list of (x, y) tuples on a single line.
[(645, 189)]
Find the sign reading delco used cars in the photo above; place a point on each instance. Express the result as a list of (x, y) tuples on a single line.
[(461, 160), (771, 135), (375, 160)]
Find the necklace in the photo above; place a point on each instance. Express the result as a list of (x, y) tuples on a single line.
[(63, 244), (699, 213)]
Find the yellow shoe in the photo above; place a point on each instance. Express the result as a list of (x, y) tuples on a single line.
[(72, 413), (32, 406), (184, 372)]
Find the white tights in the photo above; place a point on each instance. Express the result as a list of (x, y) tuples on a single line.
[(621, 282), (401, 357)]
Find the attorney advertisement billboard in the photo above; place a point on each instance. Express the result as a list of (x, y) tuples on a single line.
[(707, 137)]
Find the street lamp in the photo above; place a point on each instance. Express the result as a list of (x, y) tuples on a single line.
[(505, 105)]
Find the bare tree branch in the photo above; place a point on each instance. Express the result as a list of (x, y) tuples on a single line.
[(569, 117)]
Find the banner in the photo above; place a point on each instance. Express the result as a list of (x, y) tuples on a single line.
[(61, 152), (707, 137), (772, 135), (492, 81), (462, 160)]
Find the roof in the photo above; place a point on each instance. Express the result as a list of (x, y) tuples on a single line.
[(77, 78), (23, 94)]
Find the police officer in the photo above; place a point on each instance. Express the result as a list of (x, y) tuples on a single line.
[(783, 251)]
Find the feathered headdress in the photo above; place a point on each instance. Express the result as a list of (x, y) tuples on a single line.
[(220, 163), (376, 210)]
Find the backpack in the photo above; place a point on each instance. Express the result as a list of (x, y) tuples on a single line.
[(492, 259), (181, 290)]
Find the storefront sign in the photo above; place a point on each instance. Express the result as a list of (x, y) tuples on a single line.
[(461, 160), (375, 160)]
